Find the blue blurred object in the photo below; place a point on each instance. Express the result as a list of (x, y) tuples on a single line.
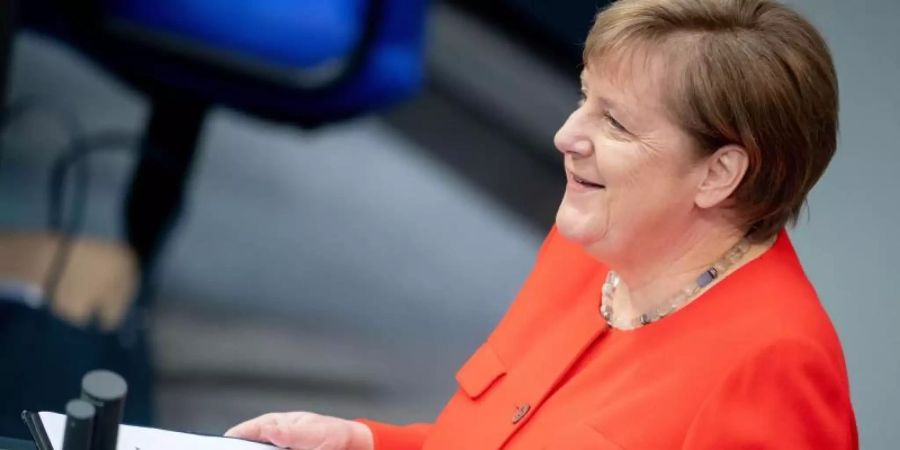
[(297, 33), (311, 61), (307, 62)]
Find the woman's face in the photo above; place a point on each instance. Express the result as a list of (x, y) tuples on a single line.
[(633, 174)]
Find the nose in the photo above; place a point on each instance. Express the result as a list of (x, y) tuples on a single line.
[(571, 140)]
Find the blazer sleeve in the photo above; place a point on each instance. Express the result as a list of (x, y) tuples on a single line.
[(397, 437), (788, 395)]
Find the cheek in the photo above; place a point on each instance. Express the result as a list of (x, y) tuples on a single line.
[(625, 168), (649, 188)]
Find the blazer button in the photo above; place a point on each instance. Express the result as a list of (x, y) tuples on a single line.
[(521, 412)]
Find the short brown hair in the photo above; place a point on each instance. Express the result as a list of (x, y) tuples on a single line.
[(749, 72)]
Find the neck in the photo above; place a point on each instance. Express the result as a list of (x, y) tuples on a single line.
[(657, 271)]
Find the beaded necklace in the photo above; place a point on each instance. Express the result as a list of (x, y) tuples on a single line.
[(678, 301)]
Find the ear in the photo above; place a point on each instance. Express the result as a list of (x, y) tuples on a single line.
[(724, 171)]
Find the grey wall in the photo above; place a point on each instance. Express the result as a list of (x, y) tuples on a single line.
[(850, 244)]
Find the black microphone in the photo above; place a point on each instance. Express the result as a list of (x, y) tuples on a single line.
[(106, 391), (79, 425)]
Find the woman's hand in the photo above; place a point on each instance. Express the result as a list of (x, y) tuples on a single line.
[(305, 431)]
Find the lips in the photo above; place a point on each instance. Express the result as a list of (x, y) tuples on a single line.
[(587, 183)]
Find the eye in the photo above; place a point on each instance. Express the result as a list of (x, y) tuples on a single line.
[(613, 122)]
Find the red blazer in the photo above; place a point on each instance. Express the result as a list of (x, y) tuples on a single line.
[(754, 363)]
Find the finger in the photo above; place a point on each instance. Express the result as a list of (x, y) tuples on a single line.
[(253, 428), (280, 436), (291, 430)]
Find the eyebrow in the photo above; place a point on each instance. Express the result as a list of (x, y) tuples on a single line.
[(605, 100)]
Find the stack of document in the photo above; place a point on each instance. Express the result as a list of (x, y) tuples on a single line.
[(141, 438)]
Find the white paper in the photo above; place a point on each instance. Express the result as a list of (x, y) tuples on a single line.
[(140, 438)]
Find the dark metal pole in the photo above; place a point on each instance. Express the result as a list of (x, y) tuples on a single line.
[(8, 11), (158, 185), (106, 392), (79, 425)]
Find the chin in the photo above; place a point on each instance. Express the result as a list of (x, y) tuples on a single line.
[(578, 227)]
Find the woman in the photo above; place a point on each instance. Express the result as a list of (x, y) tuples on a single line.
[(667, 308)]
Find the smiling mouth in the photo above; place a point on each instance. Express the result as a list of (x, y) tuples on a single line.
[(586, 183)]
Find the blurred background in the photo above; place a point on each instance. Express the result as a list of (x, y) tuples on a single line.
[(248, 207)]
